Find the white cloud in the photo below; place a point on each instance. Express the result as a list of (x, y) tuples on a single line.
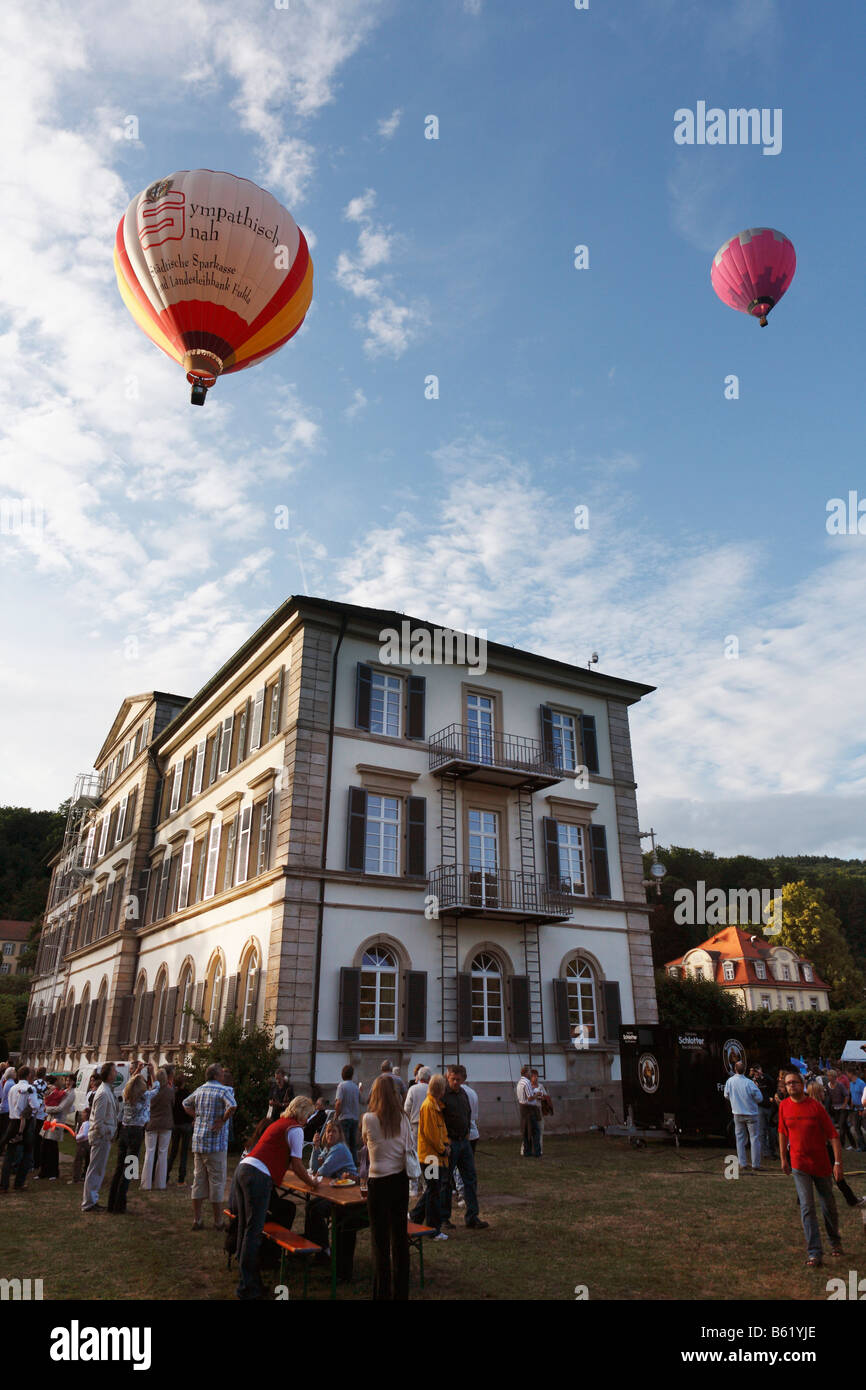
[(359, 403), (389, 124), (390, 326), (727, 751)]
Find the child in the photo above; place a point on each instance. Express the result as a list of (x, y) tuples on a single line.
[(82, 1149)]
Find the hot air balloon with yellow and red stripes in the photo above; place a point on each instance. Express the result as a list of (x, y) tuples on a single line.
[(214, 270), (753, 270)]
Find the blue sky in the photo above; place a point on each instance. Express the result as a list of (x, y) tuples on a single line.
[(557, 386)]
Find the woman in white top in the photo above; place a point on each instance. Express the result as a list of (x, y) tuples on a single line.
[(388, 1138)]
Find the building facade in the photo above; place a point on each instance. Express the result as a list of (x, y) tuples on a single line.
[(759, 974), (412, 861), (13, 943)]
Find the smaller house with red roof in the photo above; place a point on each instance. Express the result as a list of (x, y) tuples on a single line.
[(758, 973), (13, 944)]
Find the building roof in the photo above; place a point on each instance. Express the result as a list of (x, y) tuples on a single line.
[(343, 615), (744, 948), (13, 930)]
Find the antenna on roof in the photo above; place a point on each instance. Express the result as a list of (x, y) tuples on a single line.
[(593, 661)]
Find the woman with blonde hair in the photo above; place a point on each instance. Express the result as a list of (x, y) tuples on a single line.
[(134, 1115), (261, 1169), (389, 1140), (433, 1152), (157, 1134)]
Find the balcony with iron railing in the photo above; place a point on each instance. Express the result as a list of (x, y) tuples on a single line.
[(507, 894), (510, 760)]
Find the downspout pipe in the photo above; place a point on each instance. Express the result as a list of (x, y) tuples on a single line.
[(320, 928)]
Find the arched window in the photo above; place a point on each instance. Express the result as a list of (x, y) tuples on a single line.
[(160, 1000), (184, 1000), (102, 1004), (486, 997), (378, 993), (67, 1020), (82, 1035), (582, 1006), (213, 994), (140, 991), (248, 987)]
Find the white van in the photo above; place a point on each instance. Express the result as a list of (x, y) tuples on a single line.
[(83, 1076)]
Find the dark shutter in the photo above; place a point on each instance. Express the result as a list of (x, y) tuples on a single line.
[(198, 1000), (350, 1002), (363, 691), (276, 702), (612, 1009), (105, 925), (157, 802), (547, 734), (464, 1007), (90, 1025), (146, 1019), (232, 996), (415, 700), (416, 1005), (125, 1018), (416, 849), (520, 1006), (76, 1023), (600, 872), (169, 1028), (560, 1010), (551, 852), (356, 830), (130, 814), (589, 742)]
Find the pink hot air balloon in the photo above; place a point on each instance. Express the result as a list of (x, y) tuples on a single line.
[(752, 271)]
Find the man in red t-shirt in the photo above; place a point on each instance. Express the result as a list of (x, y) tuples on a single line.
[(805, 1129)]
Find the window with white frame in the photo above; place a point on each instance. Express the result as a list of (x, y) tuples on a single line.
[(791, 1003), (243, 853), (728, 969), (249, 983), (185, 867), (786, 972), (378, 993), (386, 701), (103, 837), (699, 972), (184, 995), (813, 1003), (121, 818), (8, 948), (564, 739), (765, 1001), (572, 859), (760, 970), (213, 850), (214, 994), (382, 842), (483, 828), (480, 728), (807, 974), (175, 787), (486, 997), (199, 767), (582, 997)]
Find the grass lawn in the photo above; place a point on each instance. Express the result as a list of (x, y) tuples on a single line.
[(650, 1223)]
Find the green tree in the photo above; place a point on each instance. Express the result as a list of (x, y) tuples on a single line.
[(691, 1003), (250, 1057), (811, 928)]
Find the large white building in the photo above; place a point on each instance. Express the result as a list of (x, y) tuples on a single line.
[(382, 859)]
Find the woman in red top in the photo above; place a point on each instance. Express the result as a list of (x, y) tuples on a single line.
[(279, 1148)]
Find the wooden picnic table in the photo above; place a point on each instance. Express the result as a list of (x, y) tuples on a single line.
[(336, 1196)]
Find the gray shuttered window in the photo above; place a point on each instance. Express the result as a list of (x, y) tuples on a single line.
[(600, 870), (356, 829), (551, 851), (363, 692), (589, 742), (547, 734), (144, 1026), (416, 842), (415, 700), (170, 1025), (519, 989), (350, 1002), (125, 1024), (612, 1009), (232, 995), (464, 1007), (560, 1011), (416, 1005)]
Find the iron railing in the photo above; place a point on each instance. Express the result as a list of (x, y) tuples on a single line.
[(457, 887), (468, 744)]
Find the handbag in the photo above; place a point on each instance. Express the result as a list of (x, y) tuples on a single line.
[(413, 1165)]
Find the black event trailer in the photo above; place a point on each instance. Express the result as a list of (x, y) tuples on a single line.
[(673, 1079)]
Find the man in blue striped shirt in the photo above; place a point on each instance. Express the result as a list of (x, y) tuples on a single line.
[(213, 1105)]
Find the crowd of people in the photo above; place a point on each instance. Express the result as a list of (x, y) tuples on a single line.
[(806, 1121)]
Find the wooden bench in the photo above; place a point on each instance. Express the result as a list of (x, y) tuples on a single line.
[(290, 1244), (416, 1242)]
